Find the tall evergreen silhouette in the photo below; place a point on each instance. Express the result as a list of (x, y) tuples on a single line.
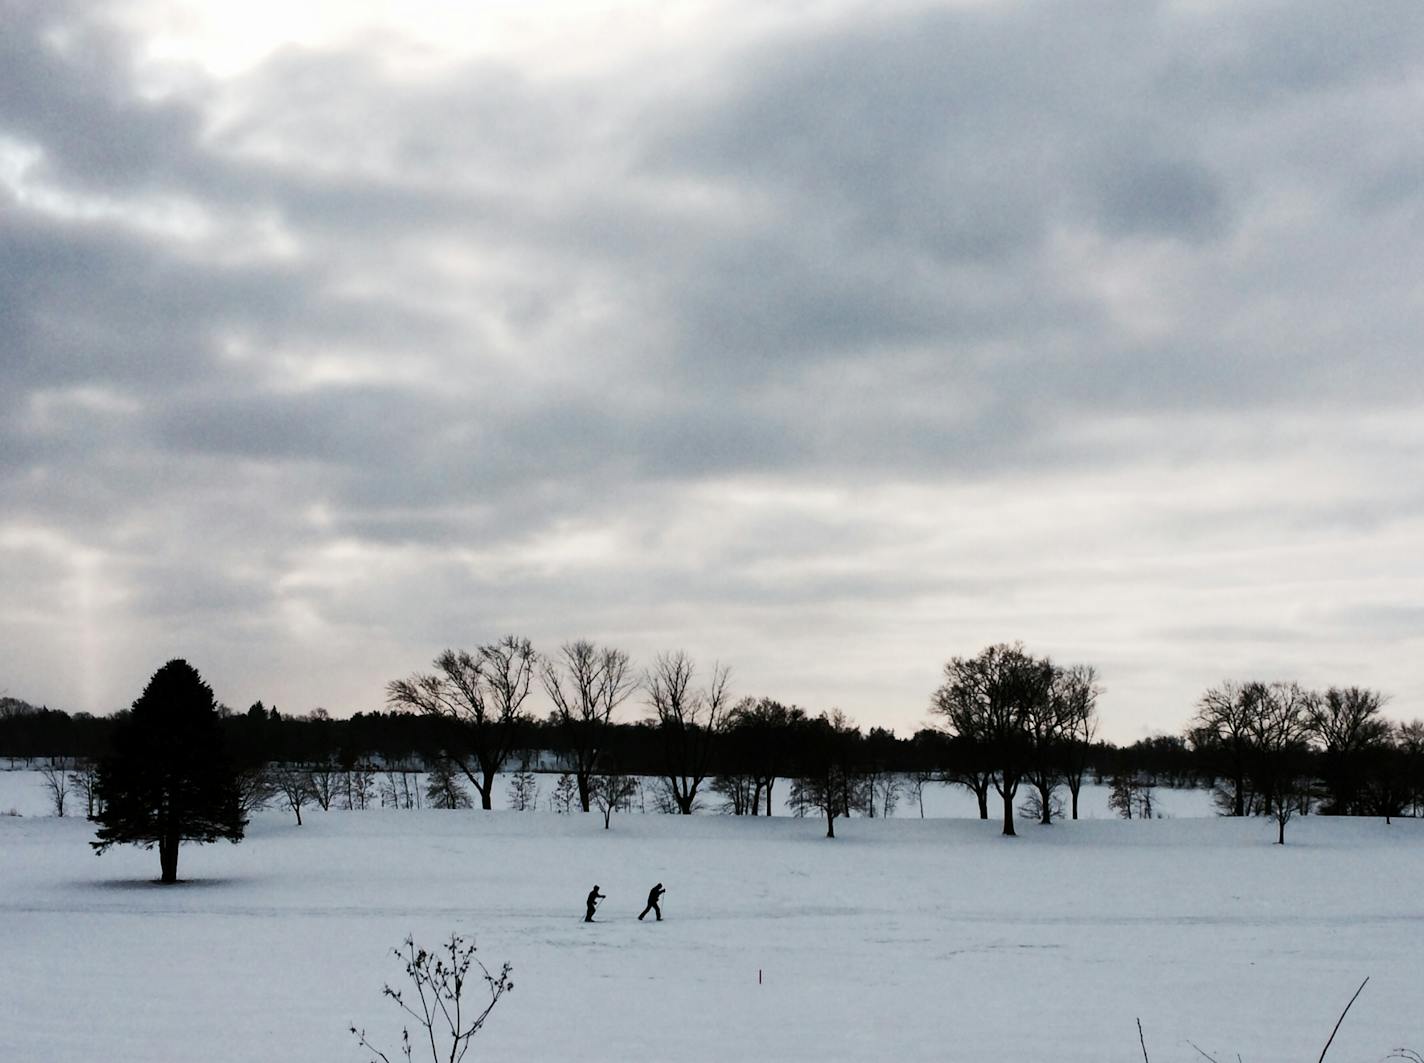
[(168, 778)]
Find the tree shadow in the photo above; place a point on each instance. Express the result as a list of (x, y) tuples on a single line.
[(122, 884)]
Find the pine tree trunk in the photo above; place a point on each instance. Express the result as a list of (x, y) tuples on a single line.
[(168, 858)]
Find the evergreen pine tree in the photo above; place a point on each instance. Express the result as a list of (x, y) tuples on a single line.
[(168, 778), (443, 789)]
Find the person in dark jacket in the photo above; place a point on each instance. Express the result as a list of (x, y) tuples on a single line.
[(593, 898), (654, 895)]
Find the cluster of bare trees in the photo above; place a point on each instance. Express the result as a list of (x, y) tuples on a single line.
[(479, 699), (834, 769), (701, 740), (355, 787), (1014, 719), (1281, 750), (64, 780)]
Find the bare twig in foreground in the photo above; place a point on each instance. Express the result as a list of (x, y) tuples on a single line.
[(1341, 1019)]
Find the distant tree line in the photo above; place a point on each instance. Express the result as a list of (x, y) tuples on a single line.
[(1008, 725)]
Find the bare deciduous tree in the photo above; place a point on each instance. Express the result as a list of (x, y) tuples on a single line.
[(1347, 724), (54, 776), (1131, 795), (1279, 724), (611, 790), (479, 697), (84, 779), (915, 783), (523, 791), (1259, 734), (1032, 808), (1045, 735), (295, 786), (885, 791), (586, 684), (255, 788), (987, 701), (399, 788), (359, 786), (738, 793), (1058, 730), (1221, 728), (324, 781), (689, 722), (824, 781), (1077, 690)]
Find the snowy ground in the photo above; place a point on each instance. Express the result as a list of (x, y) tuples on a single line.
[(903, 939)]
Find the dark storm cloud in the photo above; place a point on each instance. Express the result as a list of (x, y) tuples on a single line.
[(961, 134), (67, 85), (1006, 128), (95, 303)]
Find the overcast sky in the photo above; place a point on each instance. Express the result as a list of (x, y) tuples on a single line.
[(825, 339)]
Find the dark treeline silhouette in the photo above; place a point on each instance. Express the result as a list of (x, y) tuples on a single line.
[(30, 734), (757, 745), (1010, 727)]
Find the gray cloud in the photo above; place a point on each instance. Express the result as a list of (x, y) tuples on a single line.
[(68, 88), (875, 337)]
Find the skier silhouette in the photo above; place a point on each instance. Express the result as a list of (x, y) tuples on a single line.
[(654, 895), (593, 898)]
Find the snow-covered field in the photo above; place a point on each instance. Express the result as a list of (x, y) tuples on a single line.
[(905, 939)]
